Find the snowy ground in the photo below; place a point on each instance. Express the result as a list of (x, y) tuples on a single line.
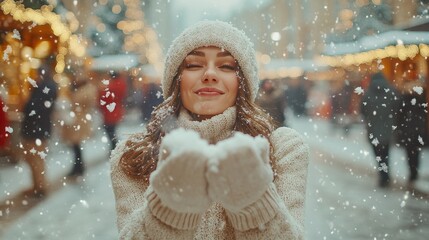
[(343, 201)]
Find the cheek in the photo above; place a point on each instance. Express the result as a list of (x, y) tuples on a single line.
[(233, 87), (185, 83)]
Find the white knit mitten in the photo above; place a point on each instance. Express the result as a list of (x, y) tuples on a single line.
[(179, 180), (241, 173)]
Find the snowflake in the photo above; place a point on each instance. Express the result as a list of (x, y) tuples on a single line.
[(33, 151), (32, 82), (47, 104), (32, 113), (158, 94), (375, 142), (16, 34), (418, 90), (383, 167), (105, 82), (359, 90), (377, 158), (5, 108), (6, 53), (84, 203), (413, 101), (46, 90), (102, 103), (42, 155), (111, 106), (9, 129), (421, 140)]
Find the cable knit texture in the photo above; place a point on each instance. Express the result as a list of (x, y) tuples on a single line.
[(284, 198), (212, 33)]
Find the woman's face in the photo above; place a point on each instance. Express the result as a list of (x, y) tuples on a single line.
[(209, 82)]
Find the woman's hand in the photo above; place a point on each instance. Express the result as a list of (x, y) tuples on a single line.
[(179, 180), (240, 173)]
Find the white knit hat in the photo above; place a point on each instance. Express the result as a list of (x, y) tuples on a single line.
[(212, 33)]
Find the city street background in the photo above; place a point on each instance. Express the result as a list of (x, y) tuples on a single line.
[(320, 56)]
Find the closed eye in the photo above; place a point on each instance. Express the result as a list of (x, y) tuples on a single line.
[(193, 66), (228, 67)]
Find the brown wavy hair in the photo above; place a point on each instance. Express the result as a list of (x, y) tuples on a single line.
[(142, 149)]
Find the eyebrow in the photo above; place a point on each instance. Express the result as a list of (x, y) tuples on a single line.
[(219, 54)]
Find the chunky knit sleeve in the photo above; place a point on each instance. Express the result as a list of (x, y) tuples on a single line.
[(291, 155), (134, 219)]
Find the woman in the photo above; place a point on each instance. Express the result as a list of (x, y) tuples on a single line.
[(110, 100), (36, 128), (79, 127), (224, 172)]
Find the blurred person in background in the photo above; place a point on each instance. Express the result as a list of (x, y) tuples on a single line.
[(341, 96), (79, 124), (212, 164), (412, 119), (273, 101), (296, 96), (378, 108), (151, 94), (4, 123), (36, 127), (112, 94)]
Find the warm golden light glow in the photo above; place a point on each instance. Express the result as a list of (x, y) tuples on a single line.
[(400, 51), (42, 49), (43, 16), (116, 9)]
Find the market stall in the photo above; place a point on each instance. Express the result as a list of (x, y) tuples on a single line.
[(29, 38)]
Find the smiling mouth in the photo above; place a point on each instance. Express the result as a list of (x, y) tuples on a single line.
[(209, 92)]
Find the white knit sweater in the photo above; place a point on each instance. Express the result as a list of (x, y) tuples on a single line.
[(136, 221)]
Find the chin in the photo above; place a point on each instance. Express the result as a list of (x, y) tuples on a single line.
[(208, 109)]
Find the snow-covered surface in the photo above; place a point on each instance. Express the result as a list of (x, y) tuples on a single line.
[(115, 62), (378, 41), (307, 65)]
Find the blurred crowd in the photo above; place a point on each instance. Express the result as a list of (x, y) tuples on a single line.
[(70, 112), (390, 115)]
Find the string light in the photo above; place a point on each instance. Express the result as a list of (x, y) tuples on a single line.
[(68, 43), (139, 37), (400, 51)]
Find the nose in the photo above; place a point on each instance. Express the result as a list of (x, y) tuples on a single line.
[(210, 74)]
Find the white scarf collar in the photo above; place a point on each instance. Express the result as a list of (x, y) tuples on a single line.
[(214, 129)]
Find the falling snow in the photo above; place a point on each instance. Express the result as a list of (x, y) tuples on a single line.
[(359, 90)]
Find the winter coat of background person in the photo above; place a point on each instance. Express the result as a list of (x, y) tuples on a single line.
[(111, 99), (111, 102), (37, 126), (412, 119), (78, 119), (211, 164), (411, 130), (378, 108), (79, 124), (151, 97), (39, 108), (4, 123), (272, 100)]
